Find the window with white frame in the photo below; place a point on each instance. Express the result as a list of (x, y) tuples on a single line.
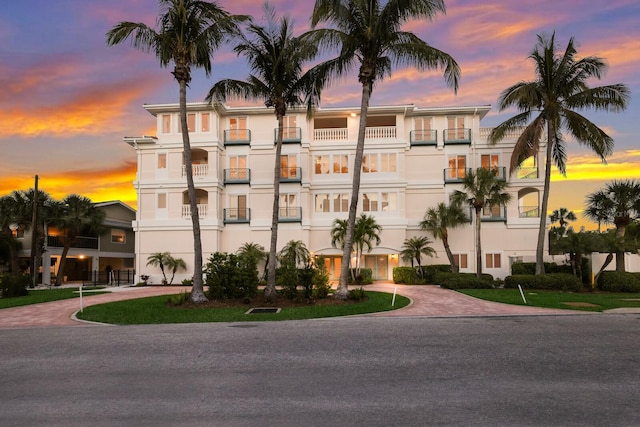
[(387, 162), (322, 202), (369, 202), (289, 127), (455, 127), (238, 207), (493, 260), (166, 123), (370, 163), (340, 163), (461, 260), (389, 202), (288, 167), (423, 125), (118, 236), (457, 167), (341, 202), (490, 161), (379, 202), (162, 160), (162, 201), (238, 167), (321, 164), (238, 129), (205, 123), (288, 205)]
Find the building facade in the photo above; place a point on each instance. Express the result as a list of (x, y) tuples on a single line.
[(414, 158)]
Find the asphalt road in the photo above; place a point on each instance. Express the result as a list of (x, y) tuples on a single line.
[(493, 371)]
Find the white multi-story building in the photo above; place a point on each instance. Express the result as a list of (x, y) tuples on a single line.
[(414, 158)]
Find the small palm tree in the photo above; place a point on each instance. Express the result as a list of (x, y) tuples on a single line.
[(368, 35), (554, 97), (252, 251), (367, 233), (439, 220), (414, 248), (175, 264), (482, 188), (189, 31), (278, 61), (161, 260), (296, 252)]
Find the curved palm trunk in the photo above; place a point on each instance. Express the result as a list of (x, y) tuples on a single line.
[(342, 290), (543, 209), (606, 263), (197, 290), (478, 243), (270, 290), (620, 232), (447, 250)]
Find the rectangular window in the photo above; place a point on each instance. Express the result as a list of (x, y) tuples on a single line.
[(191, 122), (341, 202), (166, 123), (288, 167), (205, 126), (288, 205), (322, 203), (321, 165), (387, 162), (460, 260), (118, 236), (493, 260), (423, 124), (370, 202), (457, 167), (289, 127), (238, 167), (162, 200), (455, 127), (238, 207), (370, 163), (490, 161), (340, 163), (389, 202), (162, 161), (238, 129)]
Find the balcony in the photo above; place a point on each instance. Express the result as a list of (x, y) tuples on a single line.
[(237, 137), (494, 214), (457, 136), (528, 211), (237, 215), (380, 132), (237, 176), (202, 211), (501, 172), (290, 214), (454, 175), (197, 171), (288, 174), (423, 137), (289, 135), (81, 242), (527, 173), (333, 134)]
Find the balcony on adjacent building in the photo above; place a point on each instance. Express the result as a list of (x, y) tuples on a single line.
[(528, 211), (202, 211), (80, 242), (457, 136), (289, 135), (454, 175), (237, 215), (423, 137), (237, 176), (380, 132), (290, 214), (237, 137), (527, 173), (290, 174)]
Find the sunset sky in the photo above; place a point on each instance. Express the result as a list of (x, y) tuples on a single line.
[(67, 100)]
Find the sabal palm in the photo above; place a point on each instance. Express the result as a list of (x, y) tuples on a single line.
[(159, 259), (439, 220), (562, 216), (482, 188), (73, 216), (618, 204), (278, 77), (368, 35), (188, 32), (296, 252), (414, 248), (553, 100)]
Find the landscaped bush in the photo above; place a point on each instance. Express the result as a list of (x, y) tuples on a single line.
[(618, 281), (365, 273), (356, 294), (463, 281), (429, 271), (14, 286), (530, 268), (321, 285), (287, 279), (549, 281), (406, 275), (230, 276)]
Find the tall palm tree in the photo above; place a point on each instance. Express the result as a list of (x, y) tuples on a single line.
[(414, 248), (278, 77), (73, 216), (188, 32), (553, 100), (161, 260), (296, 252), (439, 220), (12, 215), (482, 188), (620, 204), (369, 36)]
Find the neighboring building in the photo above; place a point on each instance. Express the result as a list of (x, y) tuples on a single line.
[(414, 158), (114, 250)]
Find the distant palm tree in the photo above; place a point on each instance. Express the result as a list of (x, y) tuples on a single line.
[(414, 248), (175, 264), (620, 204), (562, 216), (189, 31), (278, 62), (596, 208), (296, 252), (73, 216), (439, 220), (554, 97), (482, 188), (368, 35)]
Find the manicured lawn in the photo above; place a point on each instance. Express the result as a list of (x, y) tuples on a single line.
[(587, 301), (154, 310), (44, 295)]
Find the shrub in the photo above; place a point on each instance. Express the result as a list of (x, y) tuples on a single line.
[(230, 276), (179, 299), (287, 279), (530, 268), (187, 282), (550, 281), (14, 286), (356, 294), (463, 281), (429, 271), (407, 275), (321, 286), (365, 273), (618, 281)]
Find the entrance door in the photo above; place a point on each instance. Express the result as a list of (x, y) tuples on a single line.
[(379, 265)]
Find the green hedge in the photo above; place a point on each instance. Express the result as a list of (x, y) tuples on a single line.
[(549, 281), (530, 268), (14, 286), (618, 281), (429, 271), (463, 281), (407, 275)]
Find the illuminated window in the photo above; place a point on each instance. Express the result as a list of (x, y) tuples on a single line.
[(341, 202), (340, 163), (321, 165), (387, 162), (118, 236), (490, 161), (370, 163), (206, 122), (166, 123), (457, 167), (162, 161)]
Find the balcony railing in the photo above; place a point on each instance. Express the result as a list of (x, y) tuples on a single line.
[(237, 176), (423, 137), (494, 213), (81, 242), (289, 174), (186, 211), (237, 215), (501, 172), (380, 132), (457, 136), (289, 135), (512, 134), (528, 211), (290, 214), (527, 173), (237, 137), (333, 134), (197, 171), (452, 175)]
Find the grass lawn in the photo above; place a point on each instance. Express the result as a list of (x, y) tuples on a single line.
[(44, 295), (586, 301), (154, 310)]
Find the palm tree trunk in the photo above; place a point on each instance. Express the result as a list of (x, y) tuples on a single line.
[(478, 244), (342, 290), (13, 250), (63, 261), (606, 263), (620, 232), (447, 249), (197, 290), (270, 290), (542, 230)]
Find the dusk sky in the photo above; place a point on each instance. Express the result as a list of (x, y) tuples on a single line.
[(67, 99)]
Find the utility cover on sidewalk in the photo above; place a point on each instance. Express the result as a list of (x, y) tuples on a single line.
[(261, 310)]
